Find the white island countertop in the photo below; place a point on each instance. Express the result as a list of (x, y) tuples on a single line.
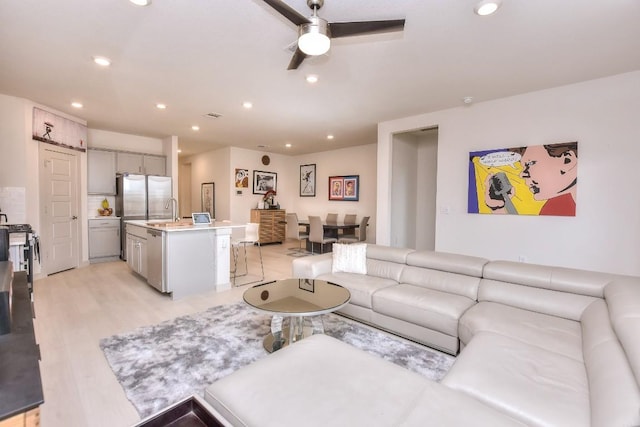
[(182, 225)]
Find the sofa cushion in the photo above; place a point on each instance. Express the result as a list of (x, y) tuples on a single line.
[(361, 286), (321, 381), (451, 283), (547, 277), (615, 397), (623, 300), (549, 332), (432, 309), (554, 303), (388, 253), (536, 386), (349, 258), (443, 261)]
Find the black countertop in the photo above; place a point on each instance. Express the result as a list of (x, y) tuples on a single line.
[(20, 382)]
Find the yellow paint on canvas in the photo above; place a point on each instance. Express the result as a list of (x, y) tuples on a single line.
[(522, 199)]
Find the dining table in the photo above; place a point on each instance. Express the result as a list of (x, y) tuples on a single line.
[(331, 229)]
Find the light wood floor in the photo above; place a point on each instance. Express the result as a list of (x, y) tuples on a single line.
[(76, 308)]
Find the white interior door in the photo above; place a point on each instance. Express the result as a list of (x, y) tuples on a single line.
[(59, 210)]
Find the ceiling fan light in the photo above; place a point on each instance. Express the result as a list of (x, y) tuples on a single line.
[(314, 37)]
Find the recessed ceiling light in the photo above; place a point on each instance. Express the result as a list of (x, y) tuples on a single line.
[(487, 7), (312, 78), (76, 104), (329, 136), (141, 2), (195, 127), (161, 106), (102, 61), (248, 105), (467, 99), (179, 151), (287, 145)]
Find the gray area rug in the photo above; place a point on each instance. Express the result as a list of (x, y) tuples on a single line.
[(159, 365)]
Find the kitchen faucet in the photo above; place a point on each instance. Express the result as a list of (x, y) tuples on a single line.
[(174, 209)]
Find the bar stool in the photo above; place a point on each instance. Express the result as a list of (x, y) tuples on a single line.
[(251, 237)]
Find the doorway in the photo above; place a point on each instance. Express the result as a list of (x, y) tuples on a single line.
[(59, 208), (413, 189)]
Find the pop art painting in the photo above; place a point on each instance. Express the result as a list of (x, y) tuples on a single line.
[(533, 180)]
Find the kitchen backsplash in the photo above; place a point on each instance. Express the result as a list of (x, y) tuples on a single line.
[(95, 202), (12, 204)]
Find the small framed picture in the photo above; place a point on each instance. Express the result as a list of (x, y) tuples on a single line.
[(344, 188), (308, 180), (307, 285), (208, 198), (264, 181)]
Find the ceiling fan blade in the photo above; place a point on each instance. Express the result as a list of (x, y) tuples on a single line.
[(297, 59), (287, 11), (345, 29)]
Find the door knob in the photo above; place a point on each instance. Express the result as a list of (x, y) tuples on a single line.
[(74, 217)]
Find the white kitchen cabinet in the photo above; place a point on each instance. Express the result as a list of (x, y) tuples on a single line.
[(148, 164), (136, 241), (130, 162), (104, 239), (155, 165), (101, 172)]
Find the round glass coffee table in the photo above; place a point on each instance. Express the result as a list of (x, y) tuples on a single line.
[(295, 300)]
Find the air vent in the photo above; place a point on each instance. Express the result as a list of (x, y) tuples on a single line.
[(213, 115)]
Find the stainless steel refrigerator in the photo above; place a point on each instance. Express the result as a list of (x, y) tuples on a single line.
[(141, 197)]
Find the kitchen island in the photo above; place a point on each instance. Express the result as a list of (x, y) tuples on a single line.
[(180, 258)]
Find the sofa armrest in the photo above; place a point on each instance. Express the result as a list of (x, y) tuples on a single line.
[(310, 267)]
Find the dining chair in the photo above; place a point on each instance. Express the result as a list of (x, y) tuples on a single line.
[(332, 218), (362, 233), (251, 237), (349, 232), (293, 230), (316, 233)]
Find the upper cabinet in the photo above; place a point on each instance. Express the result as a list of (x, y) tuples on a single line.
[(101, 172), (155, 165), (148, 164)]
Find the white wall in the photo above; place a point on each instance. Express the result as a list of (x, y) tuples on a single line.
[(405, 191), (219, 166), (602, 115), (20, 165), (427, 190), (360, 160), (98, 138)]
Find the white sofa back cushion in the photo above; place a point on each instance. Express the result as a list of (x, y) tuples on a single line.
[(349, 258), (615, 396), (554, 278)]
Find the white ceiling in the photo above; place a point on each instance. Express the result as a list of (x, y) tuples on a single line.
[(202, 56)]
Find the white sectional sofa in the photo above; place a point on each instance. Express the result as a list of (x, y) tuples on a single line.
[(539, 346)]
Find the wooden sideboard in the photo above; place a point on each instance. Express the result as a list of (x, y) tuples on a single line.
[(272, 224)]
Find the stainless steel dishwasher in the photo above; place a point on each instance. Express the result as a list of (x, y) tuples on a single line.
[(155, 259)]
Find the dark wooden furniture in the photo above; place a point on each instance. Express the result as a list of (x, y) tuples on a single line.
[(21, 386), (272, 224)]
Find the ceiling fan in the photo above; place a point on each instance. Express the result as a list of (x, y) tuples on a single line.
[(314, 33)]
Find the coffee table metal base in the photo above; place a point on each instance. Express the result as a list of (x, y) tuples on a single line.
[(281, 336)]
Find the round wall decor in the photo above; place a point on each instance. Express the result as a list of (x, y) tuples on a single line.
[(266, 160)]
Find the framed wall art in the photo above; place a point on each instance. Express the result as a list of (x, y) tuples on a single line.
[(264, 181), (242, 178), (531, 180), (308, 180), (344, 188), (208, 198)]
